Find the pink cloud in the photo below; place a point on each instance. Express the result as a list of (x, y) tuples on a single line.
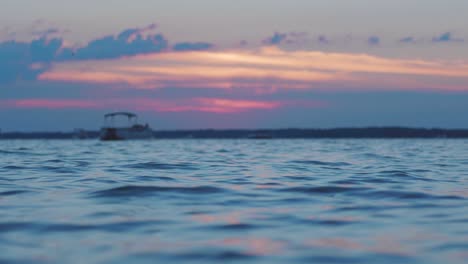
[(212, 105), (49, 103), (237, 105)]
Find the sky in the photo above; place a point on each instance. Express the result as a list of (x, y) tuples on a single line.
[(185, 64)]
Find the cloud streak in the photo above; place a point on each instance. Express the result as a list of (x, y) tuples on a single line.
[(203, 104), (267, 68)]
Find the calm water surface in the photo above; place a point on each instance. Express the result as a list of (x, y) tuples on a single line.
[(238, 201)]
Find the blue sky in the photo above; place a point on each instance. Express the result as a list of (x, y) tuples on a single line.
[(240, 64)]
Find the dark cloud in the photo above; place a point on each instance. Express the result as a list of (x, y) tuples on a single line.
[(10, 53), (322, 39), (129, 42), (407, 40), (26, 60), (44, 50), (285, 38), (446, 37), (373, 40), (192, 46), (23, 60), (276, 39)]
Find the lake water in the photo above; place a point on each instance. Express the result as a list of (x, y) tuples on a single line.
[(237, 201)]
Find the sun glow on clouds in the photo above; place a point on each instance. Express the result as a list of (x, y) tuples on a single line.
[(268, 67), (212, 105)]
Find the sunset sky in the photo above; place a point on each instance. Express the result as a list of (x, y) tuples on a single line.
[(186, 64)]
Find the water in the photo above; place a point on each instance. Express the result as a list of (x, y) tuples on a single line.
[(238, 201)]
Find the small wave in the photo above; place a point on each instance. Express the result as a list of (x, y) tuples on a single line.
[(10, 152), (23, 148), (299, 178), (87, 152), (407, 195), (132, 190), (14, 167), (162, 166), (14, 192), (346, 182), (15, 226), (154, 178), (227, 255), (379, 180), (237, 181), (75, 227), (332, 259), (460, 221), (380, 157), (398, 174), (321, 163), (329, 222), (59, 169), (80, 163), (215, 256), (222, 151), (107, 227), (20, 153), (376, 257), (234, 227), (54, 161), (452, 246), (365, 208), (324, 189)]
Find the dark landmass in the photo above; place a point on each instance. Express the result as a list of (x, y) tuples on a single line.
[(370, 132)]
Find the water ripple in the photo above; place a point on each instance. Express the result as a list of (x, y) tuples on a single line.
[(321, 163), (324, 189), (237, 201), (408, 195), (162, 166), (133, 190), (13, 192)]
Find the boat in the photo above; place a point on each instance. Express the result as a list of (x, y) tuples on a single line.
[(131, 130)]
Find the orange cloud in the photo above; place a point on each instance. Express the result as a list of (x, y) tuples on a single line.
[(268, 67)]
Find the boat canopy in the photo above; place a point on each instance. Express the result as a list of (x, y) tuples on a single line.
[(127, 114), (115, 118)]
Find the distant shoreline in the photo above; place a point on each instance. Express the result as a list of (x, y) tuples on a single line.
[(334, 133)]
